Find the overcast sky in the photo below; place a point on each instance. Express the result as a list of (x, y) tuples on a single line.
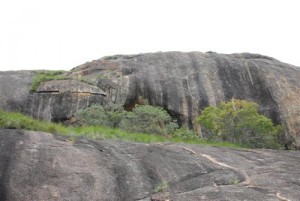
[(61, 34)]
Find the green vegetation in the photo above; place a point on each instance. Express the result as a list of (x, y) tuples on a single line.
[(235, 181), (184, 133), (12, 120), (44, 76), (238, 121), (143, 118), (232, 124), (160, 187), (109, 115), (149, 119)]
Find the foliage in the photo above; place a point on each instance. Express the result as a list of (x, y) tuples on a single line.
[(160, 187), (12, 120), (149, 119), (109, 115), (146, 118), (43, 76), (185, 133), (235, 181), (238, 121)]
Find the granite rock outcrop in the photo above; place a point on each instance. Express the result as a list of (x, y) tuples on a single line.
[(42, 166), (182, 83)]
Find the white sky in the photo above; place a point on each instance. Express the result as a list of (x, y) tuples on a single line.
[(61, 34)]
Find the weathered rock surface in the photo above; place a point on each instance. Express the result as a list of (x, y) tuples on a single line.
[(40, 166), (54, 100), (182, 83), (74, 86), (58, 100), (185, 83), (14, 89)]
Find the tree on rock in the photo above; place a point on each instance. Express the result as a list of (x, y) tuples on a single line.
[(238, 121)]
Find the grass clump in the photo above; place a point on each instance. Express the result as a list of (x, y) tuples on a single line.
[(160, 187), (14, 120), (44, 76)]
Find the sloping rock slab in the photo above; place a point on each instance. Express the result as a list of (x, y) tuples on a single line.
[(40, 166)]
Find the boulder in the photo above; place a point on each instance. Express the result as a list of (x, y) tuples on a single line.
[(58, 100)]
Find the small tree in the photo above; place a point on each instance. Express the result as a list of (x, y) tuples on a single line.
[(239, 121)]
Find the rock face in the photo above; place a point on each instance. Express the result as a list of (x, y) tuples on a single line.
[(54, 100), (182, 83), (58, 100), (14, 89), (40, 166)]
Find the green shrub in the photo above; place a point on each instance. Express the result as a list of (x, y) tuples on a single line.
[(109, 115), (238, 121), (44, 76), (185, 133), (143, 118), (149, 119)]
